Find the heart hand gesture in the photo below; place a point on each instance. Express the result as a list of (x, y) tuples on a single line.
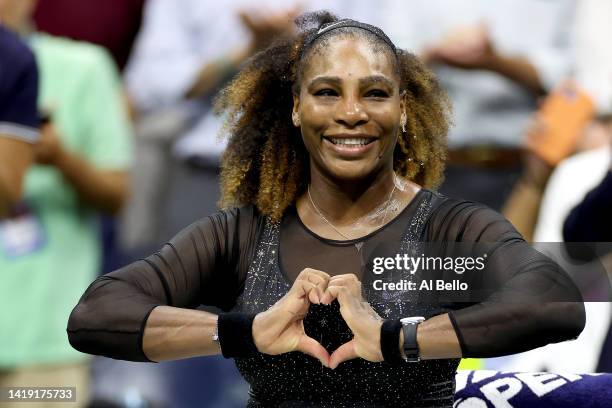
[(280, 329)]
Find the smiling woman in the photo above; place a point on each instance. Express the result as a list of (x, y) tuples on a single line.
[(335, 138)]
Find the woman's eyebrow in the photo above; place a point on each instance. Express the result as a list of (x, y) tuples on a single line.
[(369, 80), (373, 79), (327, 79)]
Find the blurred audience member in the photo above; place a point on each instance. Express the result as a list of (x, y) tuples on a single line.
[(496, 59), (18, 115), (53, 246), (593, 74), (567, 186), (112, 24), (523, 206)]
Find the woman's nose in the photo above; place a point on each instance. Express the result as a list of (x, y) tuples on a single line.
[(351, 113)]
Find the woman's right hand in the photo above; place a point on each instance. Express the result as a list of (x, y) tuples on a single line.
[(280, 329)]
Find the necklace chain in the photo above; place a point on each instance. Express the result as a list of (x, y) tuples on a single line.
[(334, 227)]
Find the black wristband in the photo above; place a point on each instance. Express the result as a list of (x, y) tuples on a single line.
[(235, 332), (389, 341)]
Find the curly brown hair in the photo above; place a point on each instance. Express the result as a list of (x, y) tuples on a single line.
[(266, 163)]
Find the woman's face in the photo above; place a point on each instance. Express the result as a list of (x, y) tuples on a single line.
[(349, 109)]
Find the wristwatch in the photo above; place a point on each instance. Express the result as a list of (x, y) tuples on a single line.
[(411, 347)]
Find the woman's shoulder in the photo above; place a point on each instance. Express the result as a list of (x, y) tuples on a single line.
[(456, 219), (226, 224)]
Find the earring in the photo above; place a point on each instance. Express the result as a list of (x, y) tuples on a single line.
[(295, 118), (403, 122)]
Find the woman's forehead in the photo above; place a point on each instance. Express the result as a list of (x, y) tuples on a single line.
[(350, 57)]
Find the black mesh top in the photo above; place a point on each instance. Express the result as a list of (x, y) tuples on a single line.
[(239, 260)]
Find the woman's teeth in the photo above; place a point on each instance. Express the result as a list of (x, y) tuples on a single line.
[(351, 142)]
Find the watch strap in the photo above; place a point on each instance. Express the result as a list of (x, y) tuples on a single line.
[(411, 347)]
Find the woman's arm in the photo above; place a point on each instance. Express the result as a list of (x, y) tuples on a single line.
[(144, 312), (172, 333), (497, 330), (526, 299), (154, 295), (436, 338)]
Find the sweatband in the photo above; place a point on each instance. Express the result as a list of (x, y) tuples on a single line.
[(235, 332), (389, 341)]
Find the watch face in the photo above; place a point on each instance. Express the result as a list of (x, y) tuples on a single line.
[(413, 319)]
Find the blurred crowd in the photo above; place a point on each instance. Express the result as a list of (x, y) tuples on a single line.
[(109, 146)]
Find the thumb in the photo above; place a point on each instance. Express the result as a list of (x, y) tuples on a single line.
[(313, 348), (343, 353)]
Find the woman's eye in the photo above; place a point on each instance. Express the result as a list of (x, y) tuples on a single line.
[(326, 92), (377, 93)]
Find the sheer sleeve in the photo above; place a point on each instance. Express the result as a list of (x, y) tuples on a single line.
[(204, 264), (530, 300)]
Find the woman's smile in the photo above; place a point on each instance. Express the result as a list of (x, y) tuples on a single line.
[(350, 146)]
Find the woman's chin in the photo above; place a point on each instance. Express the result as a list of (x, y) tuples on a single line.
[(352, 171)]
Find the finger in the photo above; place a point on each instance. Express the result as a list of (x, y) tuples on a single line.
[(347, 278), (305, 289), (313, 295), (343, 291), (316, 279), (343, 353), (328, 296), (317, 272), (313, 348), (334, 292), (296, 301)]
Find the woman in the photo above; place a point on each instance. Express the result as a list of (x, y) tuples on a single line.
[(332, 135)]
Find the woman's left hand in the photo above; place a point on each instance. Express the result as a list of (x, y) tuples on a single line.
[(363, 321)]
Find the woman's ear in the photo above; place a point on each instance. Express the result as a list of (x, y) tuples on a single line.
[(295, 114)]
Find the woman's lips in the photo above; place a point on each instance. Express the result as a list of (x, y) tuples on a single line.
[(350, 151)]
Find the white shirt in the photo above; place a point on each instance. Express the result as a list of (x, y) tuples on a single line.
[(488, 108)]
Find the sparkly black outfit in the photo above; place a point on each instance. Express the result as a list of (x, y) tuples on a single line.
[(241, 261)]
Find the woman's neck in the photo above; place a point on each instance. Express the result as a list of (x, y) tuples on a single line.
[(351, 209), (344, 202)]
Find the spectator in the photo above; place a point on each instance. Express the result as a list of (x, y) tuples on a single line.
[(18, 115), (593, 74), (583, 172), (54, 249), (495, 60)]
